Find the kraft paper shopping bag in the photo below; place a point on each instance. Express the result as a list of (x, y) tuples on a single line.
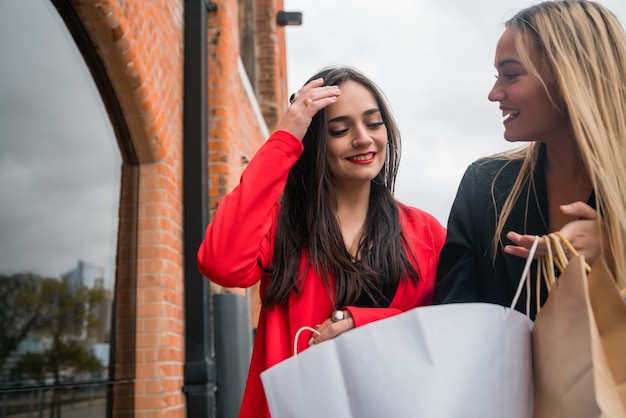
[(608, 339), (579, 342)]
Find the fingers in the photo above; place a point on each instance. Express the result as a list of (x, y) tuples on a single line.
[(315, 334), (516, 251), (329, 330), (580, 210), (304, 104), (584, 235), (525, 241), (315, 95), (523, 244)]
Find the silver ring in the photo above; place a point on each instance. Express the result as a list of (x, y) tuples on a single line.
[(293, 97), (337, 316)]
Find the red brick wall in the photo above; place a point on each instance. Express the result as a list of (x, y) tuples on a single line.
[(235, 133), (141, 46), (272, 65)]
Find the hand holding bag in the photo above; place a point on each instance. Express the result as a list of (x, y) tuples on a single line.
[(579, 339), (446, 361)]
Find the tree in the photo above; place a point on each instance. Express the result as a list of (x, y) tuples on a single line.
[(32, 366), (71, 354), (22, 310), (70, 308), (65, 315)]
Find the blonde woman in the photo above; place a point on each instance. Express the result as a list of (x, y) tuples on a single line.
[(561, 87)]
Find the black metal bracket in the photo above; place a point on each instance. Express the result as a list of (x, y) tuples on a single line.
[(210, 7)]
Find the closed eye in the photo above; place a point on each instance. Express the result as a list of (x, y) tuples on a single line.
[(337, 133), (508, 76)]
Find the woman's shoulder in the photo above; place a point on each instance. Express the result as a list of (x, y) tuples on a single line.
[(413, 215), (500, 170), (421, 228), (496, 164)]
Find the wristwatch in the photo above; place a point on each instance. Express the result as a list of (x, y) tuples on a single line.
[(337, 316)]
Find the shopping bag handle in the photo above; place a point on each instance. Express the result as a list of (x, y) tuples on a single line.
[(295, 339), (556, 260), (560, 244), (525, 279), (559, 241)]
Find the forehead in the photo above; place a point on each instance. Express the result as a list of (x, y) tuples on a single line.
[(506, 49), (354, 99)]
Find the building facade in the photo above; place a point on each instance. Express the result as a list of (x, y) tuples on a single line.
[(179, 79)]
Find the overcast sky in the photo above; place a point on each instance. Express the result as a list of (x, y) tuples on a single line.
[(433, 59), (59, 162)]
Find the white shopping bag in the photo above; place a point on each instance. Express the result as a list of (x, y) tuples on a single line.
[(445, 361)]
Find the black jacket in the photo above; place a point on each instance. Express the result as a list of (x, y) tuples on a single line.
[(467, 270)]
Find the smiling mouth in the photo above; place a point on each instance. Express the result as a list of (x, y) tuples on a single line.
[(509, 114), (362, 157)]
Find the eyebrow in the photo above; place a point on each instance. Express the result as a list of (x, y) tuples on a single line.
[(507, 61), (344, 117)]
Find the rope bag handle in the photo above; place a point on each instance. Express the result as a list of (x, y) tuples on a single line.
[(558, 247), (525, 279), (295, 339)]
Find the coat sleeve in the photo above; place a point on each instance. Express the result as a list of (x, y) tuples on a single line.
[(458, 271), (425, 237), (239, 240)]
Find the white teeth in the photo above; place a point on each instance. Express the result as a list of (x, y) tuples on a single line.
[(362, 157), (508, 114)]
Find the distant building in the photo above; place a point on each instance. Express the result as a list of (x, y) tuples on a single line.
[(86, 274), (92, 277)]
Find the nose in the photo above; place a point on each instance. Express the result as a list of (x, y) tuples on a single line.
[(496, 93), (362, 136)]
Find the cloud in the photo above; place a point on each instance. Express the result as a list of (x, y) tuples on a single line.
[(59, 162), (60, 166), (434, 62)]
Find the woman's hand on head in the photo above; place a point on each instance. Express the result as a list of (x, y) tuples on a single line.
[(329, 329), (583, 234), (311, 98)]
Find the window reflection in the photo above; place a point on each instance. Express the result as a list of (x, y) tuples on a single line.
[(59, 187)]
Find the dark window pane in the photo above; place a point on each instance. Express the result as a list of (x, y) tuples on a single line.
[(59, 188)]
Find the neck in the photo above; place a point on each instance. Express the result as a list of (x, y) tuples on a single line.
[(564, 163), (351, 206), (567, 181), (352, 202)]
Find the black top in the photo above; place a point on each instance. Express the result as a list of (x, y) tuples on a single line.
[(467, 269)]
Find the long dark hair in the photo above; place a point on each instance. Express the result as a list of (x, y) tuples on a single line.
[(307, 223)]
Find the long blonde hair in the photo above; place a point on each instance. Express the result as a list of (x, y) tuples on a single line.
[(583, 46)]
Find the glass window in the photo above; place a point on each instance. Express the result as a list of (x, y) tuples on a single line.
[(59, 185)]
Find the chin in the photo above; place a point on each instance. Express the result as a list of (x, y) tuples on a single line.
[(509, 137)]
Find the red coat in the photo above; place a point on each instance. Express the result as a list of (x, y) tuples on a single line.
[(242, 234)]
